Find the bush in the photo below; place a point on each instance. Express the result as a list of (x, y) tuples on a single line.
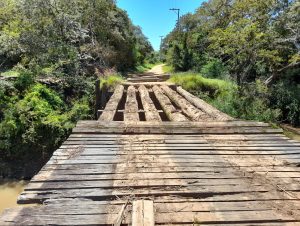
[(214, 69), (36, 125), (24, 80), (7, 95), (251, 102), (286, 96)]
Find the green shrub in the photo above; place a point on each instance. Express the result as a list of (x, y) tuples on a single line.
[(214, 68), (24, 80), (7, 95), (251, 102), (37, 124), (286, 96)]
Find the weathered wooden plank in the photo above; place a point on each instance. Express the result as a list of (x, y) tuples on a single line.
[(167, 106), (131, 107), (250, 217), (213, 112), (188, 144), (97, 149), (138, 213), (163, 130), (196, 175), (148, 213), (186, 124), (125, 168), (15, 217), (148, 183), (242, 137), (253, 217), (190, 110), (165, 160), (112, 105), (151, 112), (170, 128), (28, 197)]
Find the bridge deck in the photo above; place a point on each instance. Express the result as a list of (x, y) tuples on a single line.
[(205, 170)]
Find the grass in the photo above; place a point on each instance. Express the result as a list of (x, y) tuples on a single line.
[(111, 81), (196, 83), (145, 67), (168, 69), (10, 74)]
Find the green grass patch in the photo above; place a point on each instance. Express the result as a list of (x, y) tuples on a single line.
[(144, 67), (111, 81), (197, 84), (168, 69), (10, 74)]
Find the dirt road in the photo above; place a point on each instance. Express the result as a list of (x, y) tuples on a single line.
[(157, 70)]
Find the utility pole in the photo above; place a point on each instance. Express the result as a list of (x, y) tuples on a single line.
[(161, 39), (160, 51), (178, 13)]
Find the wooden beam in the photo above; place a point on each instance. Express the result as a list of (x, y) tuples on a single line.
[(139, 111), (112, 105), (215, 113), (98, 98), (171, 112), (131, 107), (120, 217), (189, 109), (151, 112), (221, 127)]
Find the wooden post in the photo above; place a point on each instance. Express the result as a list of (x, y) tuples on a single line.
[(98, 97), (104, 96)]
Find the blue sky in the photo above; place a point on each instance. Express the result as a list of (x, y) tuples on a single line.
[(154, 16)]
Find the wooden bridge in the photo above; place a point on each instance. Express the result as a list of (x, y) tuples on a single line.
[(160, 156)]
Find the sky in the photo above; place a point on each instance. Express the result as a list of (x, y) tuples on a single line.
[(154, 16)]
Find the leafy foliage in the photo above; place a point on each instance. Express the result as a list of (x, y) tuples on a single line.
[(245, 41), (64, 45), (73, 35), (251, 102), (37, 123)]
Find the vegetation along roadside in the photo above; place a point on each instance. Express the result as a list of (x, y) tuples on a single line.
[(51, 53)]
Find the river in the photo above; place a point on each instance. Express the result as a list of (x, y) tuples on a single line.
[(9, 192)]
